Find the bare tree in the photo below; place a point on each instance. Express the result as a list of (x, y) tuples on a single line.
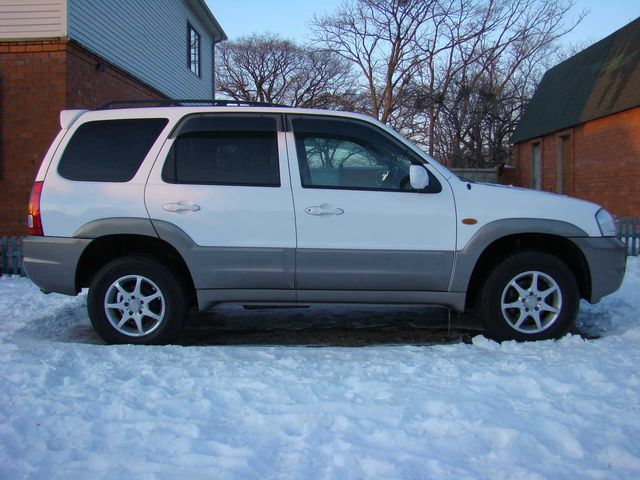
[(492, 77), (454, 75), (383, 39), (267, 68)]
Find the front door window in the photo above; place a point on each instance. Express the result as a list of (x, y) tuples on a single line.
[(537, 167), (346, 154)]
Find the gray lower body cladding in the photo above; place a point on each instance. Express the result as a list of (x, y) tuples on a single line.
[(231, 267), (228, 274), (287, 276), (309, 269), (309, 276), (335, 269), (606, 258), (51, 262), (286, 268), (241, 268), (284, 275)]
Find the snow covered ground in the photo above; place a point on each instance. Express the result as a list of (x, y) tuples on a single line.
[(71, 407)]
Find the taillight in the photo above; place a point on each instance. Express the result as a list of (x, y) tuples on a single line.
[(34, 221)]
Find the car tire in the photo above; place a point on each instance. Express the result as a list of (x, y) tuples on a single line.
[(530, 295), (137, 300)]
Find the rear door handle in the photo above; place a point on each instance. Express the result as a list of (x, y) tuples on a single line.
[(183, 206), (326, 209)]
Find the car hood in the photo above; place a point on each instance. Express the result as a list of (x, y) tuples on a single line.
[(490, 202)]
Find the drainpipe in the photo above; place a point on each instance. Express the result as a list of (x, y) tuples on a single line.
[(213, 66)]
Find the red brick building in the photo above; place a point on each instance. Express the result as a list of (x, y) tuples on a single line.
[(75, 54), (580, 134)]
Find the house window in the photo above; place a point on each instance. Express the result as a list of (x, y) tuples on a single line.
[(536, 161), (193, 50), (565, 165)]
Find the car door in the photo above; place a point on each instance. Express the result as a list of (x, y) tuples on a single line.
[(360, 225), (220, 193)]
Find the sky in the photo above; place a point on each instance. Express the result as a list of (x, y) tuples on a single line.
[(289, 18)]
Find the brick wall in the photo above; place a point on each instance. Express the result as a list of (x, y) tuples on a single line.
[(37, 80), (608, 152), (92, 82), (606, 162), (32, 91)]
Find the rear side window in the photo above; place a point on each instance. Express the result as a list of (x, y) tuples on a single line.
[(109, 150), (225, 151)]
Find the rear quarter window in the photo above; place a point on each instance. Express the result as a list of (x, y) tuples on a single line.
[(109, 150)]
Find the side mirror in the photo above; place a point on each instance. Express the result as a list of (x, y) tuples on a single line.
[(418, 176)]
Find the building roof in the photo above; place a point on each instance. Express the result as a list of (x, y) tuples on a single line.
[(599, 81)]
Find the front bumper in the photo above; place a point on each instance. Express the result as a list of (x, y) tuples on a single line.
[(607, 258), (51, 262)]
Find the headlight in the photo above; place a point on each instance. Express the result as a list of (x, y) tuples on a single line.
[(606, 222)]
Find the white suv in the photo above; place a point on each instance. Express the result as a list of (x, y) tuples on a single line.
[(161, 209)]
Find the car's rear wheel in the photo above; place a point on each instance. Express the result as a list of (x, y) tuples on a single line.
[(530, 295), (136, 300)]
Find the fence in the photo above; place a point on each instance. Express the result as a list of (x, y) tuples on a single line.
[(485, 175), (11, 252), (11, 247), (629, 233)]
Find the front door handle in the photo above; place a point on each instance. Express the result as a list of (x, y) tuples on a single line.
[(182, 207), (323, 210)]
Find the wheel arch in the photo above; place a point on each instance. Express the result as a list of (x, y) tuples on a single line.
[(106, 248), (496, 240), (561, 247)]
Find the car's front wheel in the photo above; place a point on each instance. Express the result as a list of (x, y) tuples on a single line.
[(530, 295), (136, 300)]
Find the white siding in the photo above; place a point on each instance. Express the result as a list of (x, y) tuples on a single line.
[(146, 38), (21, 19)]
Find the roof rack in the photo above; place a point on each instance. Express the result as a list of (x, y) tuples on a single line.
[(181, 103)]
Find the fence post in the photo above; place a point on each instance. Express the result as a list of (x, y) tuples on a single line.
[(635, 245), (618, 227), (627, 233), (14, 254), (5, 255), (18, 256)]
